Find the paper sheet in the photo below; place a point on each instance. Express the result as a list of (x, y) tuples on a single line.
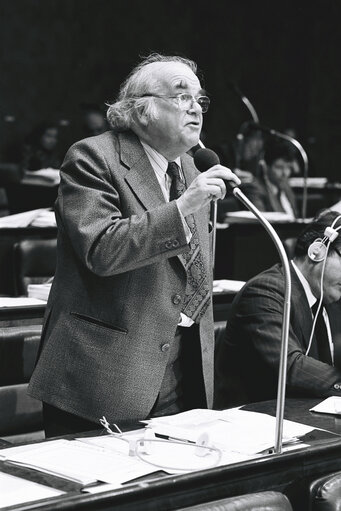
[(330, 405), (81, 462), (231, 430), (15, 490), (227, 286), (20, 301)]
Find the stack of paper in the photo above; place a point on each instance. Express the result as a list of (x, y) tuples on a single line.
[(227, 286), (40, 291), (232, 431), (79, 461), (19, 301), (37, 217), (330, 405)]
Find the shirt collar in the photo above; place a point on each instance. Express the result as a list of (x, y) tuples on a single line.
[(310, 297), (157, 160)]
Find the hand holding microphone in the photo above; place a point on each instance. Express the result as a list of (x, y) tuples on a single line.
[(212, 183)]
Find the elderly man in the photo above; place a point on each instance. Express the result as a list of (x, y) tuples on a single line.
[(129, 329), (248, 359)]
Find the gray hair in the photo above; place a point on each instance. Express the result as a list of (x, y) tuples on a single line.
[(139, 82)]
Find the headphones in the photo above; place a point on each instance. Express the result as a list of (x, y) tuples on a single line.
[(318, 249)]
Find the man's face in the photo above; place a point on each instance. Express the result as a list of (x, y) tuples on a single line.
[(331, 280), (279, 171), (49, 139), (175, 130)]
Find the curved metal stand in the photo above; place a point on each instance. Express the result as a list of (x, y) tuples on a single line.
[(286, 317)]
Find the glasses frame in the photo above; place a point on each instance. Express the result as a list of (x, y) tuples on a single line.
[(178, 97)]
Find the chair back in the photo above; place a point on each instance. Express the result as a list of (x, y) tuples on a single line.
[(34, 263), (21, 415), (260, 501), (325, 493)]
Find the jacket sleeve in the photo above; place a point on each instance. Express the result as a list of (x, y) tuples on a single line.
[(260, 315), (92, 208)]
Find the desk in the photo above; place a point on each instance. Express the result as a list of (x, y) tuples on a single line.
[(22, 315), (289, 473), (244, 249), (30, 194)]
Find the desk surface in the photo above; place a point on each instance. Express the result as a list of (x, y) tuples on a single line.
[(289, 472)]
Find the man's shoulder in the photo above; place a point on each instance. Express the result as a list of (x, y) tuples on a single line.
[(272, 274), (104, 139)]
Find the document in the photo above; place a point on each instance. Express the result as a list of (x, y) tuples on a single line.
[(81, 462), (227, 286), (42, 217), (20, 301), (271, 216), (330, 405), (231, 431), (15, 490)]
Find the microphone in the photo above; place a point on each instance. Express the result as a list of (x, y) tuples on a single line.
[(204, 159)]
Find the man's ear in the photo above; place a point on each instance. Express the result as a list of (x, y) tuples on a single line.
[(141, 116)]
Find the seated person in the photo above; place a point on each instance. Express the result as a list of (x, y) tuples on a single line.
[(270, 190), (93, 120), (247, 360), (244, 155), (41, 150)]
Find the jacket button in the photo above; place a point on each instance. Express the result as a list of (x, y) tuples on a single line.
[(175, 243), (168, 244), (165, 347), (176, 299), (337, 386)]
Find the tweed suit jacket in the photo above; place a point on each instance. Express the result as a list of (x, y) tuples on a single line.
[(248, 359), (116, 297)]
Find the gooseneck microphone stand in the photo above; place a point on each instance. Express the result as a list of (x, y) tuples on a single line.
[(282, 376)]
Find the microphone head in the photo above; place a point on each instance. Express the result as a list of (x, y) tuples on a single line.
[(204, 159)]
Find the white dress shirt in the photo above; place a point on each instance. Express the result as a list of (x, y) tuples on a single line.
[(312, 300)]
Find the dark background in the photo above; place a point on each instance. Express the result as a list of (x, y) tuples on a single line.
[(284, 56)]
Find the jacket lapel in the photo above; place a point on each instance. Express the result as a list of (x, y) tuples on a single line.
[(141, 178)]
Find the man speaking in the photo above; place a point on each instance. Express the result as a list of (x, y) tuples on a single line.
[(128, 328)]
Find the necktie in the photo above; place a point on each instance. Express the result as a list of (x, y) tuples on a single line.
[(321, 335), (197, 290)]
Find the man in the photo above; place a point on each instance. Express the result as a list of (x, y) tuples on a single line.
[(129, 327), (248, 359), (271, 191)]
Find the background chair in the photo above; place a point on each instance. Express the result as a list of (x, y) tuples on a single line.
[(325, 493), (21, 415), (260, 501), (34, 262)]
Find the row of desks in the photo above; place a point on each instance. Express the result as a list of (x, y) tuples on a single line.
[(289, 473)]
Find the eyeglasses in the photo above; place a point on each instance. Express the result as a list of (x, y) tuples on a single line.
[(185, 101), (170, 455)]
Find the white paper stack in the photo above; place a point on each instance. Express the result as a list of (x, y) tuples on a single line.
[(39, 291)]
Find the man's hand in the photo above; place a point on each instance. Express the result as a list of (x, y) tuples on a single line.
[(206, 187)]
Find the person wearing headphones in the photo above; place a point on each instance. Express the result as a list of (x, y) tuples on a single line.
[(247, 360)]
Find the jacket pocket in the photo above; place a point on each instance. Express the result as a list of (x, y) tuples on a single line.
[(98, 322)]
